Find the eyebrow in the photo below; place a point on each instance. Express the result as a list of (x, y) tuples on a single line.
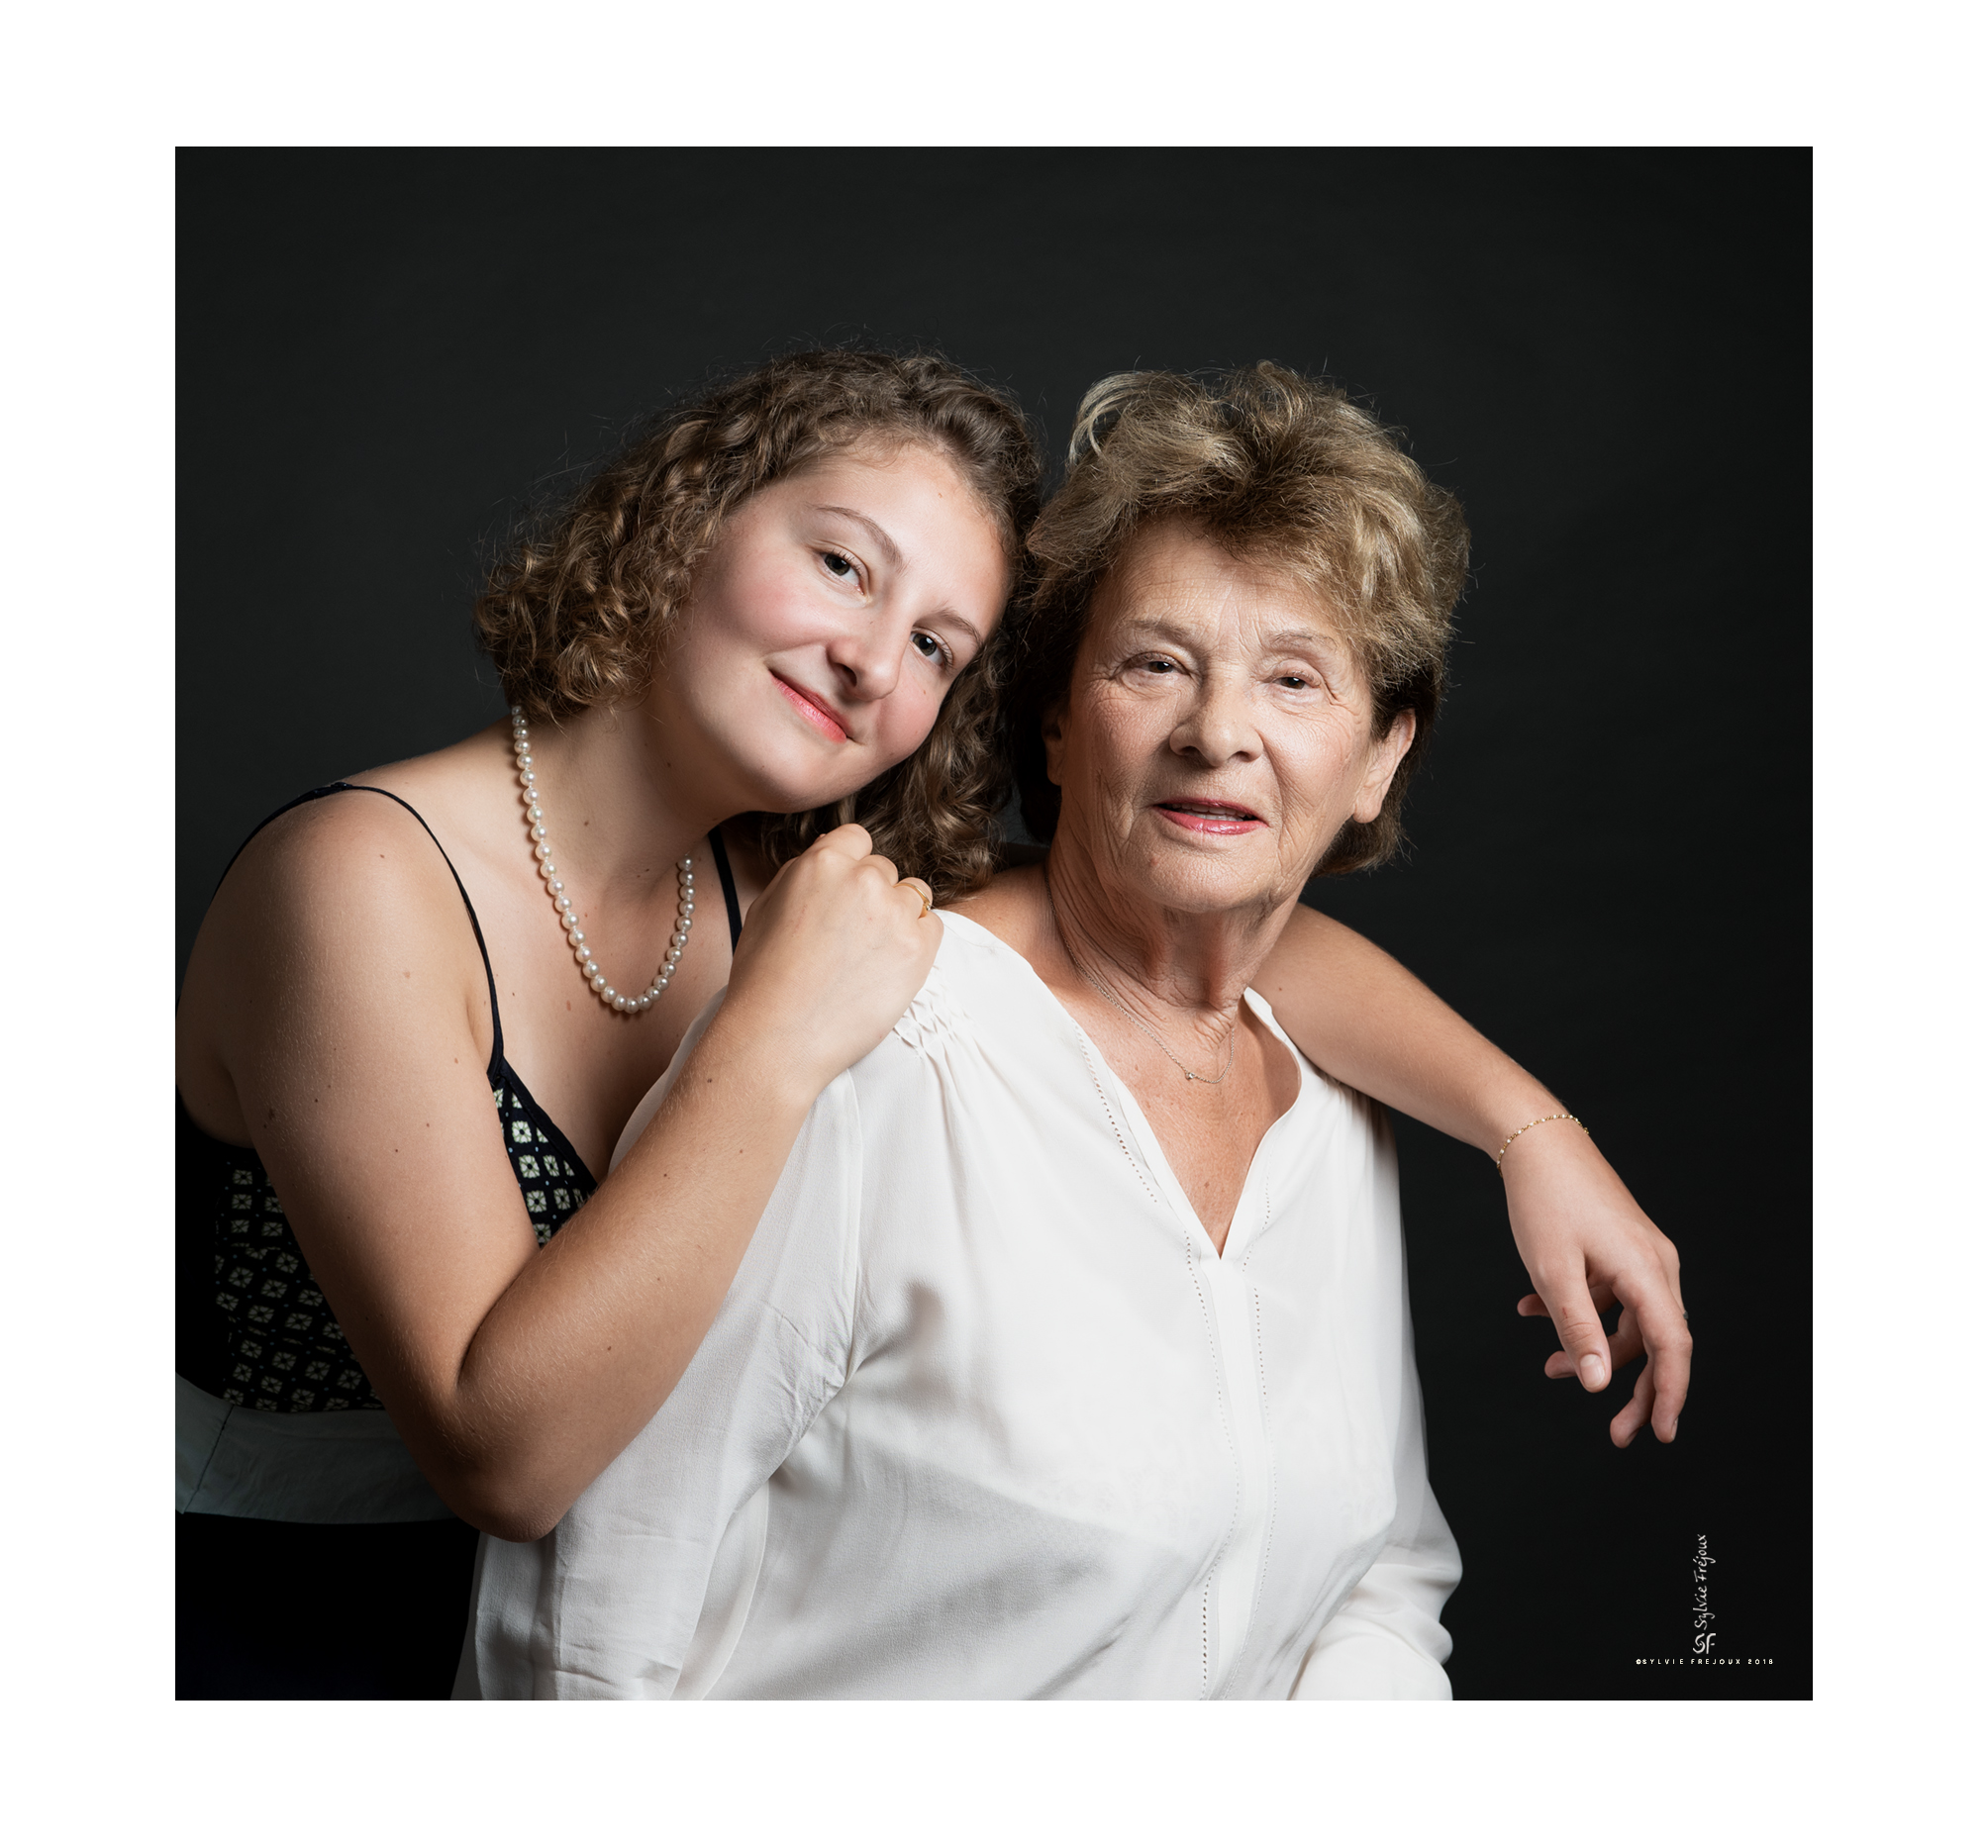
[(947, 618), (1171, 629), (885, 544)]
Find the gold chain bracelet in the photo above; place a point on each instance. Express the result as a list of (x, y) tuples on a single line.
[(1498, 1160)]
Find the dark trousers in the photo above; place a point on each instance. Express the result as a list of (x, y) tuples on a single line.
[(288, 1611)]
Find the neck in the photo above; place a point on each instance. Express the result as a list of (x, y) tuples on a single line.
[(1177, 967), (620, 812)]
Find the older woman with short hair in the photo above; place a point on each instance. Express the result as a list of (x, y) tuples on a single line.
[(1072, 1356)]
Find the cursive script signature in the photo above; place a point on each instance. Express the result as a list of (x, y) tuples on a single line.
[(1702, 1617)]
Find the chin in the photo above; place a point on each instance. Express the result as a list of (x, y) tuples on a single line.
[(1194, 879), (788, 789)]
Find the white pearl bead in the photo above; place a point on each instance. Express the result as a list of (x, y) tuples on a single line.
[(542, 851)]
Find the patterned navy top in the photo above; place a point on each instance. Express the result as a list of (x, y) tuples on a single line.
[(254, 1327)]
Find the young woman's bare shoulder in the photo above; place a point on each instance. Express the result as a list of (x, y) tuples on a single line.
[(324, 897), (343, 853)]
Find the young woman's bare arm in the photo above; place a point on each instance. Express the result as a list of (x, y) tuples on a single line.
[(353, 1036), (1586, 1244)]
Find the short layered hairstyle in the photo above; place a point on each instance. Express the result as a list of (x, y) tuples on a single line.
[(1276, 469), (580, 606)]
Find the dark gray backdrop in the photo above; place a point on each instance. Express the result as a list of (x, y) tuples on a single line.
[(383, 354)]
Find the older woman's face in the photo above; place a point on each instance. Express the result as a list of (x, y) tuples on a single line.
[(1218, 733)]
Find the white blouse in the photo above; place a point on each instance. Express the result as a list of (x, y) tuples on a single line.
[(985, 1413)]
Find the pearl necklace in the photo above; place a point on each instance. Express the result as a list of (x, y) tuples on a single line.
[(541, 849)]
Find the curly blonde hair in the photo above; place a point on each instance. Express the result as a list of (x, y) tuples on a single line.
[(1272, 466), (576, 613)]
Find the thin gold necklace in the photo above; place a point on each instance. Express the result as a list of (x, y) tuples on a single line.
[(1186, 1071)]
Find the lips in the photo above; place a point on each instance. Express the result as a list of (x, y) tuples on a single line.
[(1198, 814), (816, 715)]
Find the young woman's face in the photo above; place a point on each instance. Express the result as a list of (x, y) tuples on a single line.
[(838, 606)]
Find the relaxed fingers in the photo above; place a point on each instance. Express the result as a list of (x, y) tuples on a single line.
[(1624, 1345), (1580, 1330), (1624, 1426), (1661, 1317)]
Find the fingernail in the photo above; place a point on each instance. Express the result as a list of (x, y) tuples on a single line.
[(1594, 1376)]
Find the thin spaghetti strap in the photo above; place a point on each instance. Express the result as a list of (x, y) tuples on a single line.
[(725, 879), (332, 789)]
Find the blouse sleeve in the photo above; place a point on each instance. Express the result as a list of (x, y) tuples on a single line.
[(1387, 1642), (607, 1605)]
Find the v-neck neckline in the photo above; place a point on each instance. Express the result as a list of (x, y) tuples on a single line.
[(1151, 1149)]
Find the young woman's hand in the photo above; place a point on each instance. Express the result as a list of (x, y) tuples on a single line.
[(831, 954), (1588, 1247)]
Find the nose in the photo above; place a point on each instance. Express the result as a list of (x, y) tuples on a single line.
[(1218, 727), (868, 656)]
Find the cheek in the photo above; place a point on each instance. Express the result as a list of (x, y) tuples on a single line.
[(1318, 773), (1117, 738), (908, 721), (752, 607)]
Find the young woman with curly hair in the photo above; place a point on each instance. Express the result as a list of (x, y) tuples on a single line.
[(756, 665)]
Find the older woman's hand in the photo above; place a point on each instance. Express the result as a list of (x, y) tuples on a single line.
[(1588, 1247)]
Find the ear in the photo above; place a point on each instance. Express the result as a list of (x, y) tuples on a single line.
[(1381, 766), (1052, 740)]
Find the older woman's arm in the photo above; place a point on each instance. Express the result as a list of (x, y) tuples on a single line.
[(1586, 1244)]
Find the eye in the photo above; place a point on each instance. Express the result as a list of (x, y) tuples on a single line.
[(841, 566), (930, 648), (1158, 664), (1297, 683)]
